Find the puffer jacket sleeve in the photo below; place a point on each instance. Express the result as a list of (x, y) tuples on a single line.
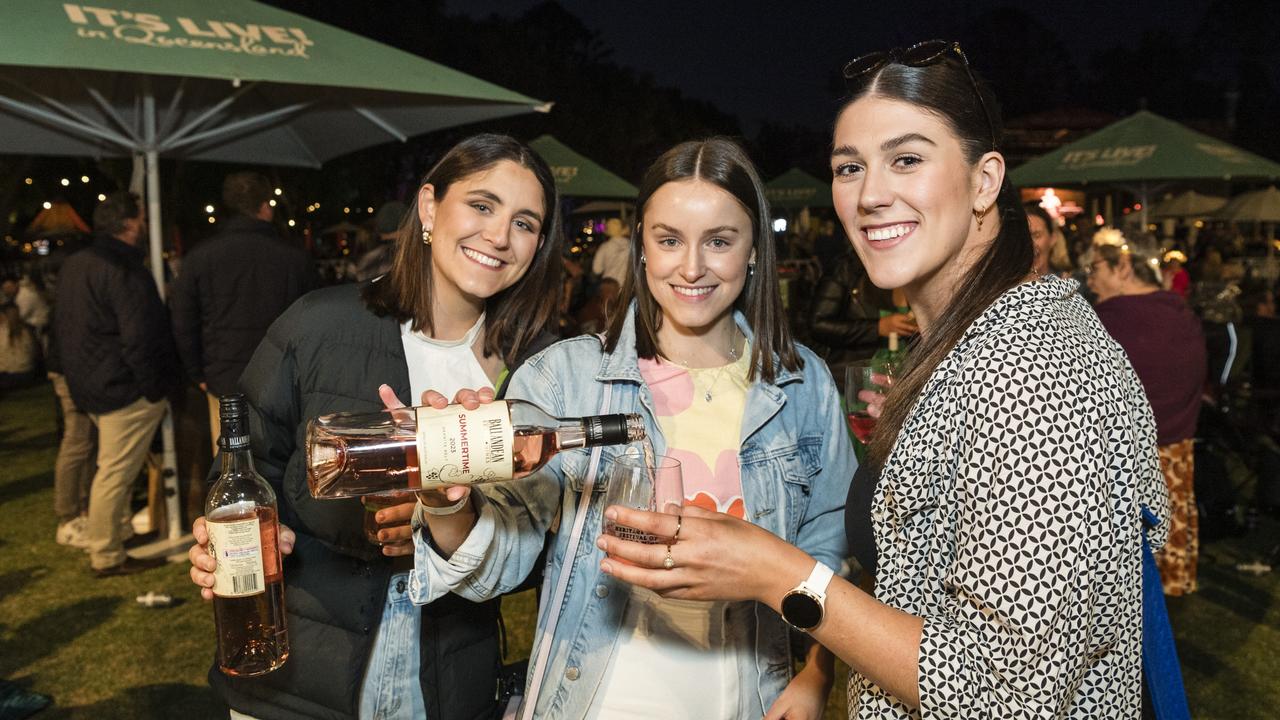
[(512, 517)]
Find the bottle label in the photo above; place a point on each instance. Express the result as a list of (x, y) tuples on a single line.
[(461, 447), (237, 547)]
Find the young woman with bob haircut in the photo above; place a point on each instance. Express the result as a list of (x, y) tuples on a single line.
[(1015, 452), (704, 354), (470, 292)]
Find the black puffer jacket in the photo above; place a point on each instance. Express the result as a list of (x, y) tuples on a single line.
[(111, 329), (328, 353), (231, 288)]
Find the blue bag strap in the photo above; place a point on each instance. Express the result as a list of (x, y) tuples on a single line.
[(1159, 655)]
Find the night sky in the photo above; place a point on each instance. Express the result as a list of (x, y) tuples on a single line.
[(772, 61)]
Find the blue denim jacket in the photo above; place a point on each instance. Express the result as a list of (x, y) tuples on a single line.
[(796, 463)]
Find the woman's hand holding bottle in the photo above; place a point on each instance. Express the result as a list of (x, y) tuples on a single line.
[(469, 399), (203, 564)]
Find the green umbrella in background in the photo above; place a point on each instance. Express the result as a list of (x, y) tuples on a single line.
[(796, 188), (1140, 149), (579, 176), (229, 81)]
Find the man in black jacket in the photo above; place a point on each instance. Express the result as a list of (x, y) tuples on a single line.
[(118, 358), (232, 287)]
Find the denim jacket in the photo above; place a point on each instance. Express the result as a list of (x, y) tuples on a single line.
[(796, 463)]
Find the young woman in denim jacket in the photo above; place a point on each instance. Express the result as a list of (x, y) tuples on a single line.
[(702, 350)]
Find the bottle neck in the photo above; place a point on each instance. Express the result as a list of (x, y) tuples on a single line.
[(599, 430), (235, 454)]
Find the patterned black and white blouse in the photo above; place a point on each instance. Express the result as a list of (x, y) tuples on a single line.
[(1008, 518)]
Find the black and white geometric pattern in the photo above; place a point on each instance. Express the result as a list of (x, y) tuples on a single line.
[(1008, 518)]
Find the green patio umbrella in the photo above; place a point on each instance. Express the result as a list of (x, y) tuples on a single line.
[(1144, 146), (579, 176), (1141, 149), (229, 81), (796, 188)]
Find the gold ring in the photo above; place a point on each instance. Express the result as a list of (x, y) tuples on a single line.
[(679, 523), (668, 563)]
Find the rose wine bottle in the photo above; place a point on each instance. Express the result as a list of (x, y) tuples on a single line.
[(351, 454), (248, 588)]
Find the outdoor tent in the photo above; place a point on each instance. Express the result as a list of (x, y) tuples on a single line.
[(1189, 204), (579, 176), (1141, 149), (796, 188), (231, 81)]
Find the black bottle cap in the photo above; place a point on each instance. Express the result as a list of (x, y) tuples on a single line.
[(607, 429), (233, 411)]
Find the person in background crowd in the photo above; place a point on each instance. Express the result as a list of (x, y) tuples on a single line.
[(471, 290), (118, 357), (1162, 338), (851, 317), (1015, 451), (614, 254), (17, 349), (704, 353), (377, 261), (74, 467), (232, 287), (1176, 278), (1041, 227)]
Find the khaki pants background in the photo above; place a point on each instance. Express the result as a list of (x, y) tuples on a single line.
[(73, 470), (124, 437)]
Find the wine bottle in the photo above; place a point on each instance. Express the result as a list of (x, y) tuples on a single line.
[(244, 529), (352, 454)]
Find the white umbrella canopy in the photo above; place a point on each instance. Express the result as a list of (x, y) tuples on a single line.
[(1189, 204), (1257, 206)]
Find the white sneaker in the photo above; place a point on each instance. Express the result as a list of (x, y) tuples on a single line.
[(73, 533)]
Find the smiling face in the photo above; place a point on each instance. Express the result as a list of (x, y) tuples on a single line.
[(485, 231), (697, 242), (907, 196)]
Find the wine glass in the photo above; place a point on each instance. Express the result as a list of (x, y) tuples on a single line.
[(635, 483), (858, 377)]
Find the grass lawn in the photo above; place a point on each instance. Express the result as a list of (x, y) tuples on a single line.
[(86, 643)]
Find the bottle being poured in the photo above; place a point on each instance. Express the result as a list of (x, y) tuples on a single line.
[(421, 448)]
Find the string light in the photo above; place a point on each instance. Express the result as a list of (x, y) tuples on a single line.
[(212, 219), (208, 209), (102, 197), (272, 202), (65, 182), (29, 181), (292, 223), (84, 179), (47, 205), (279, 191)]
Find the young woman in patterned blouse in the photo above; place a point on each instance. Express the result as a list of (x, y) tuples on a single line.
[(1016, 451)]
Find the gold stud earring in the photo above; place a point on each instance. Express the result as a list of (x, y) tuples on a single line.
[(426, 236)]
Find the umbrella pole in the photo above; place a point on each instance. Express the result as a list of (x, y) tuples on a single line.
[(169, 472)]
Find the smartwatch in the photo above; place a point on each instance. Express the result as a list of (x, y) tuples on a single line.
[(804, 606)]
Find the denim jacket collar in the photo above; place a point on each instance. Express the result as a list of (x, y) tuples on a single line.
[(623, 362)]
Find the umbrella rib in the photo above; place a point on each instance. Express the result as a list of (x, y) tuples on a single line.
[(111, 112), (217, 108), (235, 127), (70, 120), (171, 112), (374, 118), (64, 123)]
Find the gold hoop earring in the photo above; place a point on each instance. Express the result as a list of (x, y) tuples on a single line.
[(981, 215), (426, 236)]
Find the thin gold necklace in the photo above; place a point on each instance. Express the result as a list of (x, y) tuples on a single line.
[(733, 354)]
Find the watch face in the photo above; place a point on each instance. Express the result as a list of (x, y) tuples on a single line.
[(801, 610)]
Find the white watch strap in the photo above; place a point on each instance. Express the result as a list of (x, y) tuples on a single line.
[(818, 580)]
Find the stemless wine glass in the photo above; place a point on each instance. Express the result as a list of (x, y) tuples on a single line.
[(373, 503), (635, 483), (858, 377)]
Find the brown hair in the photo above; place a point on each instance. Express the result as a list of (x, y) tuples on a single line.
[(944, 90), (244, 192), (723, 163), (1144, 256), (110, 215), (514, 316)]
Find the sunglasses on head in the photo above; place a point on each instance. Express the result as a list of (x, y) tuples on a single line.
[(921, 54)]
